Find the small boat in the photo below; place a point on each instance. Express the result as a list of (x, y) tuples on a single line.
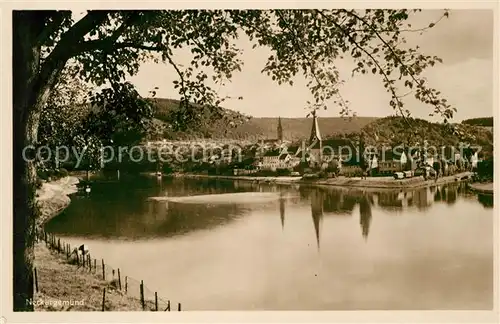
[(159, 174), (87, 189)]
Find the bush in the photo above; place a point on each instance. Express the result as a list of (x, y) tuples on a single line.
[(323, 174), (69, 166), (38, 183), (167, 169), (43, 175), (283, 172), (62, 172), (485, 169)]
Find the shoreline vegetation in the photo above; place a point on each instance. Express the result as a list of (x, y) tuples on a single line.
[(345, 182)]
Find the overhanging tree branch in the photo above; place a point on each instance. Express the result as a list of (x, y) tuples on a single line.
[(108, 44), (374, 60), (307, 59), (57, 20), (396, 56)]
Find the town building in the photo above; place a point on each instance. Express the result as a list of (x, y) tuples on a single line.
[(390, 161), (276, 159), (270, 160)]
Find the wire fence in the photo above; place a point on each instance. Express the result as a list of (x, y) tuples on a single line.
[(149, 300)]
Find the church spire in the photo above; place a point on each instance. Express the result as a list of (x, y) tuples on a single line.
[(282, 210), (315, 134), (317, 213), (280, 130)]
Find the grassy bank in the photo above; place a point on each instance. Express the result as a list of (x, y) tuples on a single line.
[(63, 285)]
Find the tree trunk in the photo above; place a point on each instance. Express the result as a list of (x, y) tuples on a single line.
[(31, 88)]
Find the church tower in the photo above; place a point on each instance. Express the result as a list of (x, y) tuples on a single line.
[(317, 213), (280, 130), (315, 142)]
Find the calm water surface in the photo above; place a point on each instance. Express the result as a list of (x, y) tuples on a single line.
[(307, 249)]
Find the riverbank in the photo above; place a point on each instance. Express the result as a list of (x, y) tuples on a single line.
[(368, 183), (63, 286), (53, 197), (485, 188)]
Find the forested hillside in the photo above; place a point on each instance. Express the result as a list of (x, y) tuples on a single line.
[(394, 130), (258, 127), (484, 121)]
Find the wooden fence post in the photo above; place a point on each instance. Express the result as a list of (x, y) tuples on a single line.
[(103, 298), (119, 280), (59, 245), (95, 265), (179, 307), (103, 271), (36, 280), (142, 295), (156, 301), (126, 284)]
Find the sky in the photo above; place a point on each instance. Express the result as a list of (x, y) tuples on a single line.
[(465, 78)]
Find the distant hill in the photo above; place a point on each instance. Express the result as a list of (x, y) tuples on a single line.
[(394, 130), (484, 121), (210, 126), (297, 128), (262, 127)]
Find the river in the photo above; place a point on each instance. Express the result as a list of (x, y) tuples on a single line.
[(271, 247)]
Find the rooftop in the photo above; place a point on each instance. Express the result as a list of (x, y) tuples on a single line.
[(273, 153)]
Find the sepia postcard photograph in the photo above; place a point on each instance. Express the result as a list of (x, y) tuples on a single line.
[(292, 158)]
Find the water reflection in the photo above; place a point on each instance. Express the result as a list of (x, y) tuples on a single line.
[(486, 200), (282, 210), (378, 252), (339, 202), (317, 212), (122, 209), (365, 215)]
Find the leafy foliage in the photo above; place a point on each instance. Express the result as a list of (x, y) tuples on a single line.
[(66, 109), (485, 169), (111, 44), (86, 122)]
